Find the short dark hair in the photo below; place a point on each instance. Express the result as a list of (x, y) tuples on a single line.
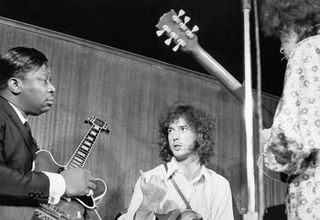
[(278, 16), (202, 123), (17, 61)]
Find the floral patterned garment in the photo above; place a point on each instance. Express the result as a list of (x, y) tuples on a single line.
[(295, 132)]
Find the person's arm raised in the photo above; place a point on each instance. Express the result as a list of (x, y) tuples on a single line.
[(153, 192)]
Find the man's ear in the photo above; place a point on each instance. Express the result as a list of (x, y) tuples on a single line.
[(14, 85)]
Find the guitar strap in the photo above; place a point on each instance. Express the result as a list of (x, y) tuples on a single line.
[(177, 188)]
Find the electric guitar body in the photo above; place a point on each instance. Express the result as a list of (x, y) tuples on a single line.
[(178, 214)]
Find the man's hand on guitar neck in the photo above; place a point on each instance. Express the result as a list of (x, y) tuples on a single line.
[(78, 181)]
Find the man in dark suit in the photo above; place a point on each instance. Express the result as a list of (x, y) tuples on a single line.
[(26, 89)]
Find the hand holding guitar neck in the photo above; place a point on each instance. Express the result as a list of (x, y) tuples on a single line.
[(172, 25)]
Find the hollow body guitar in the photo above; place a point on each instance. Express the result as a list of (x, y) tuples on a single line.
[(68, 208), (179, 214)]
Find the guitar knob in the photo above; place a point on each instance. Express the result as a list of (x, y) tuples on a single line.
[(176, 18), (180, 43), (168, 41), (172, 36), (183, 25), (165, 28), (160, 32), (190, 33), (186, 19), (181, 12), (79, 216), (195, 28)]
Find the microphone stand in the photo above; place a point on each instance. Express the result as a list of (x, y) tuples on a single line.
[(248, 111)]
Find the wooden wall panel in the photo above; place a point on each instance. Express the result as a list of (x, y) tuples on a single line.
[(129, 91)]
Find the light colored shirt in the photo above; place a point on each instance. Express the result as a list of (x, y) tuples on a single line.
[(208, 194), (57, 184), (295, 132), (297, 117)]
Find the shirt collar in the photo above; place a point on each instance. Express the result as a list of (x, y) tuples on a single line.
[(173, 168), (18, 111)]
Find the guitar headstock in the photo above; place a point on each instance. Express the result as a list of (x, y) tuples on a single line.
[(98, 122), (176, 29)]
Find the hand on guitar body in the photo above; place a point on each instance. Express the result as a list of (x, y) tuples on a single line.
[(78, 181), (153, 192)]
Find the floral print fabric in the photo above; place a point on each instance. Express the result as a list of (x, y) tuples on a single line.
[(295, 133)]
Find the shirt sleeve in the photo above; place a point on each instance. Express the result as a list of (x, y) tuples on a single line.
[(225, 209), (57, 187), (135, 202), (295, 132)]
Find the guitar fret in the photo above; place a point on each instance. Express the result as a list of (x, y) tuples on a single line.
[(87, 143), (90, 138), (73, 165), (83, 151), (86, 148), (76, 163), (81, 155), (95, 129), (79, 160)]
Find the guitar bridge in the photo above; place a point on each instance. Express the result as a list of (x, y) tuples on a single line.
[(50, 212)]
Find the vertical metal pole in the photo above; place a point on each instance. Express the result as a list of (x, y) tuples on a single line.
[(261, 208), (251, 214)]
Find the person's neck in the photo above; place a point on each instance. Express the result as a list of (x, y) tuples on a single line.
[(14, 102), (190, 167)]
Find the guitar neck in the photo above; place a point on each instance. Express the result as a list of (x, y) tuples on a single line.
[(81, 154), (227, 80), (219, 72), (174, 26)]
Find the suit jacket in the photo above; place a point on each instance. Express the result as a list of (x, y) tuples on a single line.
[(18, 184)]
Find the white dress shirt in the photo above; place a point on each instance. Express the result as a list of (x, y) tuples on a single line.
[(208, 194)]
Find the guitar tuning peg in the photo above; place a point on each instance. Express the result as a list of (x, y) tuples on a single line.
[(180, 43), (168, 41), (186, 19), (164, 28), (181, 12), (190, 33), (195, 28), (172, 36), (183, 25), (176, 17), (176, 48), (160, 32)]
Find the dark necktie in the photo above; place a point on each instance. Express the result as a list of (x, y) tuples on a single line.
[(26, 124)]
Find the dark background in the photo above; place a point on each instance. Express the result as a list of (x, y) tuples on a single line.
[(130, 25)]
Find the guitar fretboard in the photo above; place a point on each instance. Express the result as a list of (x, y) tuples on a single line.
[(80, 156)]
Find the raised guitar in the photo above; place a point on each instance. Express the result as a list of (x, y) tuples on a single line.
[(174, 26), (68, 208)]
